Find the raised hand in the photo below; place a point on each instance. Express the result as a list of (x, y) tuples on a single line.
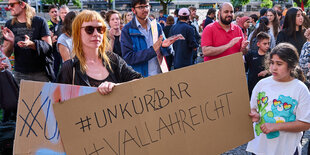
[(307, 34), (26, 43), (8, 35), (244, 44), (111, 33), (168, 42), (234, 41), (3, 65)]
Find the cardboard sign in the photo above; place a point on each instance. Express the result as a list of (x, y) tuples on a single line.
[(36, 127), (154, 30), (160, 58), (201, 109)]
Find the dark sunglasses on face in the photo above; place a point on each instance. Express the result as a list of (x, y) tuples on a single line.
[(90, 29), (12, 4)]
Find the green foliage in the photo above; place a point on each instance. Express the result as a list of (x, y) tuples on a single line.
[(237, 3), (62, 2), (266, 4), (297, 3), (307, 5), (77, 3)]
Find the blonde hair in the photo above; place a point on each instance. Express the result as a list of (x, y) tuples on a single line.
[(124, 17), (88, 16), (29, 15)]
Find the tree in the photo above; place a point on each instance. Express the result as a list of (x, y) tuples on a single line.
[(165, 4), (239, 3), (266, 4), (62, 2), (298, 2)]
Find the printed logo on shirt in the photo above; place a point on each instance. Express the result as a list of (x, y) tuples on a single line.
[(20, 33), (281, 110)]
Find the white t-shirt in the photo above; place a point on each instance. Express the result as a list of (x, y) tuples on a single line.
[(66, 41), (279, 102)]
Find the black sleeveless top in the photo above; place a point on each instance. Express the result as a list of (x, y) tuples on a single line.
[(95, 83)]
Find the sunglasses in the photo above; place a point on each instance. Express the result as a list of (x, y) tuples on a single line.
[(90, 29), (12, 4)]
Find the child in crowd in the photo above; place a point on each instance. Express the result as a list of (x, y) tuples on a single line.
[(280, 105), (255, 60)]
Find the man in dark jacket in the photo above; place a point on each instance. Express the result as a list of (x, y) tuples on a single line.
[(210, 17), (29, 38), (184, 48)]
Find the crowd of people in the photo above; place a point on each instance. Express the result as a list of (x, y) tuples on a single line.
[(108, 48)]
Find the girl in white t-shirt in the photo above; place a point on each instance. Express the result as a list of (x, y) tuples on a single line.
[(280, 105)]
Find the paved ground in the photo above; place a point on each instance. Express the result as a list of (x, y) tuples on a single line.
[(241, 149)]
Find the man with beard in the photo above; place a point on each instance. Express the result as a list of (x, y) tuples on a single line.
[(138, 48), (29, 38), (222, 38)]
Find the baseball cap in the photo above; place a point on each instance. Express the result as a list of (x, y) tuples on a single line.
[(183, 12)]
